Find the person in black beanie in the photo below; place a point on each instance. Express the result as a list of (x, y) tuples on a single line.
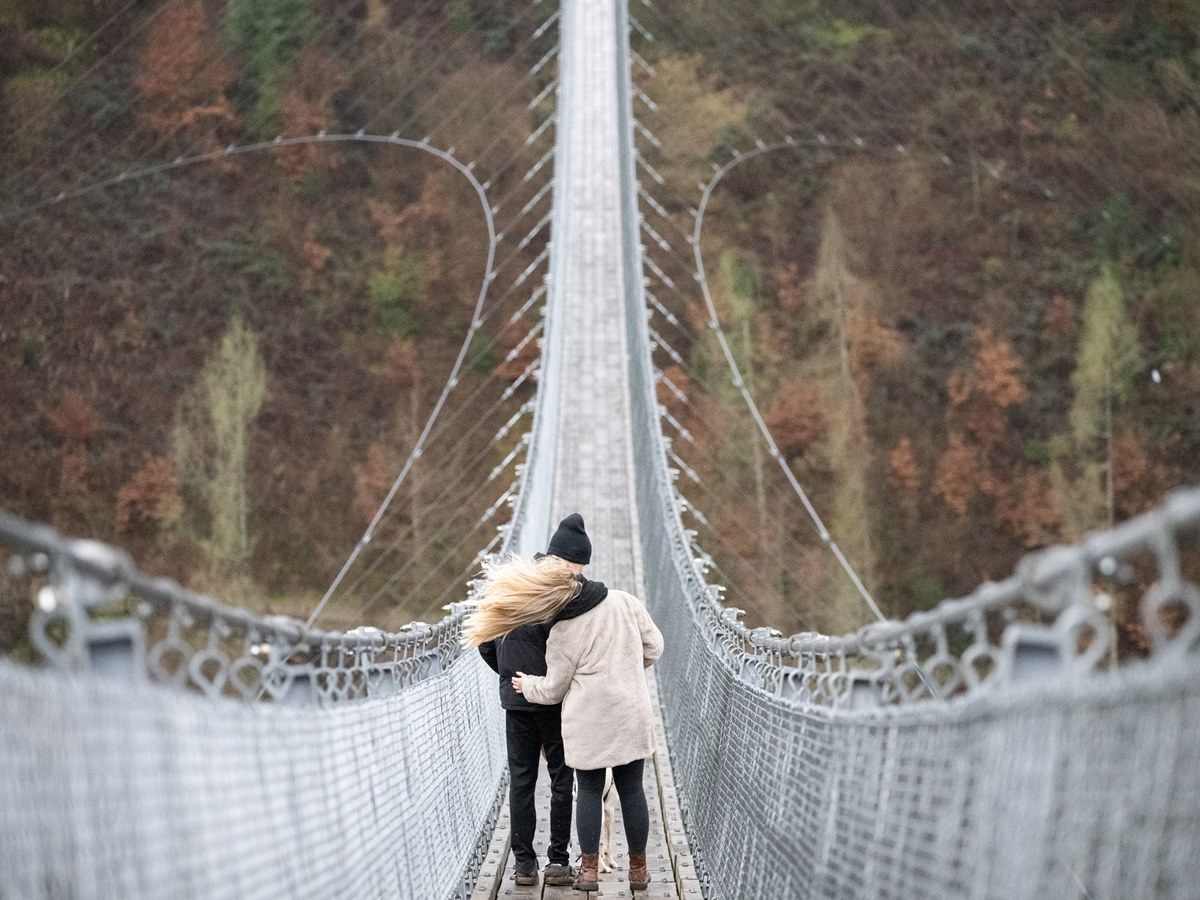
[(531, 728), (598, 644)]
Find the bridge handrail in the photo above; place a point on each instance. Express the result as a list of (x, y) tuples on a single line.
[(94, 610)]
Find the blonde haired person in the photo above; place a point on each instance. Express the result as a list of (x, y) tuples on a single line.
[(600, 641)]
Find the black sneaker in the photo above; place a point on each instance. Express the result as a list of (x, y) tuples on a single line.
[(559, 873), (525, 878)]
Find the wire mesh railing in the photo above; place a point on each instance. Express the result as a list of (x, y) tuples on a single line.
[(115, 787)]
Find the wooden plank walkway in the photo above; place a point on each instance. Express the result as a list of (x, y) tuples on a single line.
[(594, 466), (672, 872)]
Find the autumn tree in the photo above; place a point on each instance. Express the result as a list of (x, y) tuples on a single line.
[(737, 288), (1139, 479), (797, 417), (210, 441), (904, 475), (182, 75), (983, 457), (696, 112), (150, 498), (306, 107)]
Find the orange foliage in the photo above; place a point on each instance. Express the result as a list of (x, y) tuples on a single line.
[(959, 477), (307, 108), (796, 418), (313, 257), (997, 370), (1029, 509), (995, 375), (181, 75), (389, 224), (958, 387), (1139, 480), (903, 473), (424, 228), (987, 424), (150, 497), (73, 420), (984, 393)]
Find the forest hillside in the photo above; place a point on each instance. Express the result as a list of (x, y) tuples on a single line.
[(957, 257), (956, 252)]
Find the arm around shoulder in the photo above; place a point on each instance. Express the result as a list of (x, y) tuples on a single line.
[(550, 688)]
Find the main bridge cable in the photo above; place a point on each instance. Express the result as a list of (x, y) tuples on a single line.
[(739, 383), (491, 377), (359, 64), (701, 277), (418, 450), (451, 382), (707, 190), (477, 319)]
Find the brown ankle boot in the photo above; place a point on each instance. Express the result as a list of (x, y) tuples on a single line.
[(639, 875), (588, 878)]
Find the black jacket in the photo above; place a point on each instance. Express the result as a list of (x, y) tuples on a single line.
[(524, 649)]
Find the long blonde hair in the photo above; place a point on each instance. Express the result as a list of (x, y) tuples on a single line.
[(517, 592)]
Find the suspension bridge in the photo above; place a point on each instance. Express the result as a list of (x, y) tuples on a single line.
[(169, 744)]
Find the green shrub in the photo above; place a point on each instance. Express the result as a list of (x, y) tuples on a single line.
[(486, 360), (269, 34), (394, 294), (459, 16), (926, 590)]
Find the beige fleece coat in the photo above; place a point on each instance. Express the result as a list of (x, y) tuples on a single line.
[(595, 666)]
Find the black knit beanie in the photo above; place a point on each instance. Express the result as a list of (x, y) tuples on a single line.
[(570, 541)]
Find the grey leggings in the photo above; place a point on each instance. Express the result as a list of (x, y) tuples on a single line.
[(627, 779)]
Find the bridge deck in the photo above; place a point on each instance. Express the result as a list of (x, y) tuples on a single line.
[(672, 872), (594, 468)]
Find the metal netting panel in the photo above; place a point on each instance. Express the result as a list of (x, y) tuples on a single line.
[(112, 789), (1077, 791)]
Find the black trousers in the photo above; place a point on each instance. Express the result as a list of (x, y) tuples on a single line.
[(528, 733), (627, 779)]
